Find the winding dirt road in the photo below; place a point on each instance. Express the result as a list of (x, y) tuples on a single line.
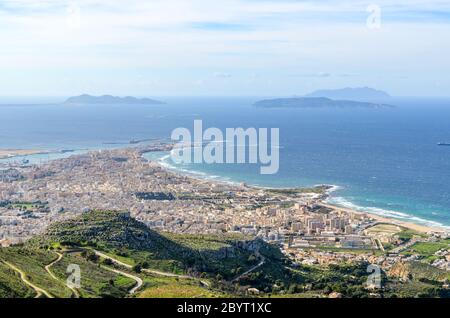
[(145, 270), (137, 279), (47, 269)]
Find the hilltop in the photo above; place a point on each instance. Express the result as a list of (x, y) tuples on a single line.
[(118, 231), (111, 100), (105, 228)]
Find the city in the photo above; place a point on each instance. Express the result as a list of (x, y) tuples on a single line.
[(298, 221)]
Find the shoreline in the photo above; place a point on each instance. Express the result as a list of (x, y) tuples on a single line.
[(405, 224)]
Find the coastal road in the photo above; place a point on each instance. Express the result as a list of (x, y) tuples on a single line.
[(47, 269), (39, 291)]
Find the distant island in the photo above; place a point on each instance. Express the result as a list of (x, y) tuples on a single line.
[(316, 102), (111, 100), (359, 93)]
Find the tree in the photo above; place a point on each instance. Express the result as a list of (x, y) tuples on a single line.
[(107, 261), (251, 259), (137, 268), (91, 256)]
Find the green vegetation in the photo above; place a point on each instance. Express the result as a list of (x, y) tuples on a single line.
[(119, 234), (427, 249), (32, 262), (345, 250), (407, 234), (218, 258), (169, 287), (416, 289), (24, 206), (296, 191), (11, 286), (422, 280), (174, 265), (95, 280)]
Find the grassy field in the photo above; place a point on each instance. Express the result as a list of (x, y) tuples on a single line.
[(390, 230), (408, 234), (95, 280), (218, 260), (11, 286), (427, 249), (297, 191), (33, 262), (168, 287)]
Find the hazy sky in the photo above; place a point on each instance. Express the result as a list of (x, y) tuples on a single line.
[(226, 47)]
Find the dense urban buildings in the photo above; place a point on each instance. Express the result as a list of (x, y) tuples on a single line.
[(306, 229)]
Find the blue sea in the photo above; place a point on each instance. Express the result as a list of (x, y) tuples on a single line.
[(384, 161)]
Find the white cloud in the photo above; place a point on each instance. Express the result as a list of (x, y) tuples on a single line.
[(89, 38)]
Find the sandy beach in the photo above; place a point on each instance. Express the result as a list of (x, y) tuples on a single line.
[(11, 153), (409, 225)]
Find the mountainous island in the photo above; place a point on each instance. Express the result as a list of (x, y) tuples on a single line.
[(111, 100), (316, 102), (358, 93)]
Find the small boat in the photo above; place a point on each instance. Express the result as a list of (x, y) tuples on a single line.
[(444, 144)]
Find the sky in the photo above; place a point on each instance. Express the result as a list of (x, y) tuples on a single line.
[(223, 48)]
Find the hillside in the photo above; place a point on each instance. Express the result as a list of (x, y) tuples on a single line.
[(112, 247), (119, 256), (117, 232), (105, 228)]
